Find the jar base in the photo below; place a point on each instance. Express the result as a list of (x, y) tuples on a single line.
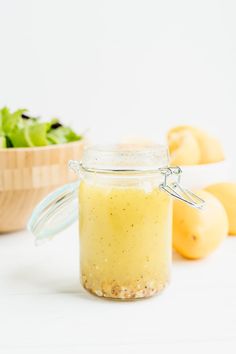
[(125, 294)]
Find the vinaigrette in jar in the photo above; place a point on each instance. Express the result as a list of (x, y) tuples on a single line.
[(125, 230)]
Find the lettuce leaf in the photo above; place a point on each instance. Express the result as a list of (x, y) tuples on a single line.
[(3, 142), (62, 135), (18, 129), (9, 121)]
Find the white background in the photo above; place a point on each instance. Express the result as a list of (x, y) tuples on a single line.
[(119, 68), (122, 67)]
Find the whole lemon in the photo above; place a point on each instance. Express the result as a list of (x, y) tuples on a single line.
[(196, 233), (226, 193)]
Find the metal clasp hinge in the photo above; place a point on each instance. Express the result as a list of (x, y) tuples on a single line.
[(171, 185)]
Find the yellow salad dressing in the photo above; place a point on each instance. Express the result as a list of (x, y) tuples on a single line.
[(125, 239)]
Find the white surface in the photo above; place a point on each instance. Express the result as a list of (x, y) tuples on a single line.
[(43, 309), (122, 67)]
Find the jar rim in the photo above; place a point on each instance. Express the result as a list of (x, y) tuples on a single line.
[(125, 158)]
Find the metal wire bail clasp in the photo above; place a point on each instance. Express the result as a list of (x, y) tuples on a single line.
[(171, 185)]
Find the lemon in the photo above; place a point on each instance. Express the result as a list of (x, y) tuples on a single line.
[(196, 233), (183, 148), (226, 193), (210, 148)]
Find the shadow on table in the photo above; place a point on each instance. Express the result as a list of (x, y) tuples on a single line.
[(34, 281)]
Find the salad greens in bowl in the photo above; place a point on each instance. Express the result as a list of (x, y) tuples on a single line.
[(18, 129), (34, 159)]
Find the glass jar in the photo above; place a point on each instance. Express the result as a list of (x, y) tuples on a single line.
[(125, 218)]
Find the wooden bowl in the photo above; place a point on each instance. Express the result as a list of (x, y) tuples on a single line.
[(27, 175)]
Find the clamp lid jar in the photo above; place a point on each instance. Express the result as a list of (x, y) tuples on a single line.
[(125, 218)]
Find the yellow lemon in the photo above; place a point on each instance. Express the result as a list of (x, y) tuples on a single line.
[(183, 148), (196, 233), (210, 148), (226, 193)]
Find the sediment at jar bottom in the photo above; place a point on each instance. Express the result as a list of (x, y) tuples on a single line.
[(114, 290)]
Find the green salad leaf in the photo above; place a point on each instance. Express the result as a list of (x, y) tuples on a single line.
[(9, 121), (62, 135), (3, 142), (18, 129)]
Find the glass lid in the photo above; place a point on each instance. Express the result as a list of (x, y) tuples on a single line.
[(55, 212)]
